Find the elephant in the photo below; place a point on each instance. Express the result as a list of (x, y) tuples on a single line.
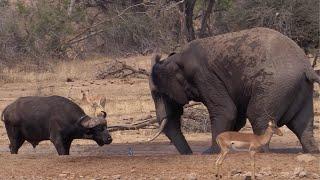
[(257, 74)]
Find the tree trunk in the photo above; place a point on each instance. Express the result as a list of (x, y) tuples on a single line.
[(205, 17), (70, 8), (189, 6)]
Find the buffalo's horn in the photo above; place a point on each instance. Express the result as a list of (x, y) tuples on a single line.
[(92, 122), (163, 124)]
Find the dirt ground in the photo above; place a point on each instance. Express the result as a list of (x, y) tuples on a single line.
[(129, 99)]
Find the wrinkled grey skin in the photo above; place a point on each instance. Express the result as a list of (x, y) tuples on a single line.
[(256, 74), (54, 118)]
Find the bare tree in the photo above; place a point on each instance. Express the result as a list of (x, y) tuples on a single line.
[(189, 6), (205, 17)]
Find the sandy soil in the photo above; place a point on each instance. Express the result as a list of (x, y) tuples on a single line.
[(128, 99)]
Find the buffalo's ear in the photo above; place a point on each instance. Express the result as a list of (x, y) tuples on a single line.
[(90, 122), (103, 101)]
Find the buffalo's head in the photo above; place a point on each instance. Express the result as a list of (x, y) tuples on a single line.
[(96, 129)]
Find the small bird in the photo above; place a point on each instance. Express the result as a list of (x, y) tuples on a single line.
[(130, 151)]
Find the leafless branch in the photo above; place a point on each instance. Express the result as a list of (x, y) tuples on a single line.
[(121, 70), (100, 23)]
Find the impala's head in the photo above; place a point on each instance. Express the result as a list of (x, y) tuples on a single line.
[(274, 128), (94, 107)]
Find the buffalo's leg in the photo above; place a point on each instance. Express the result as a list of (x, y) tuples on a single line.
[(302, 126), (59, 144), (67, 145), (15, 138)]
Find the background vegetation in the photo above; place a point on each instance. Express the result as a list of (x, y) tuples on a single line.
[(39, 31)]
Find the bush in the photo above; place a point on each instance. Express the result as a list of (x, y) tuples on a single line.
[(43, 30), (298, 19)]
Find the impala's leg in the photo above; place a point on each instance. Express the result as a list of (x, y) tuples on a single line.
[(253, 164), (221, 159), (217, 164)]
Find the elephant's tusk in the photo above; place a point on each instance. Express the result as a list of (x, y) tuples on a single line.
[(163, 124)]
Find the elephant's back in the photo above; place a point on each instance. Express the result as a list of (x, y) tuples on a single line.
[(254, 60), (256, 45)]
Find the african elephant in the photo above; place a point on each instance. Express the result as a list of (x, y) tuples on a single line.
[(256, 73)]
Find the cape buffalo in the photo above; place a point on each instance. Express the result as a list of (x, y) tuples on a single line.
[(53, 118), (255, 73)]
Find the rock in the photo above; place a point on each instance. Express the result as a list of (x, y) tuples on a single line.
[(62, 175), (300, 172), (297, 171), (80, 176), (69, 80), (303, 174), (116, 176), (305, 158), (192, 176), (235, 172), (266, 171), (315, 176), (284, 174), (246, 174)]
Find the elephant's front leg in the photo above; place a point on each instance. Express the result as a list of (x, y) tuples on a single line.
[(223, 118), (173, 132)]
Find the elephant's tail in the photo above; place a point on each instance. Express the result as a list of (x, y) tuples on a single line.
[(2, 115), (312, 76)]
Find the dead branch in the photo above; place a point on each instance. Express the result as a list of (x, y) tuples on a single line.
[(139, 125), (194, 120), (121, 70)]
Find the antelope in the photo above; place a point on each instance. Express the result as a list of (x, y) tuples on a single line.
[(244, 142), (93, 106)]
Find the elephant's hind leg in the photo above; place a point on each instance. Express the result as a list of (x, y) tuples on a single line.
[(302, 126)]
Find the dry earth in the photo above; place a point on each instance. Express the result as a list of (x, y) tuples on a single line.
[(129, 99)]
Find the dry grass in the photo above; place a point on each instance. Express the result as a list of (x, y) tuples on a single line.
[(53, 72)]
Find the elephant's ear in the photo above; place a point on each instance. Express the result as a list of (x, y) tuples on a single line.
[(177, 84)]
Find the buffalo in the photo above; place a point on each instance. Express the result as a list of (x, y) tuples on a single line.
[(53, 118)]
